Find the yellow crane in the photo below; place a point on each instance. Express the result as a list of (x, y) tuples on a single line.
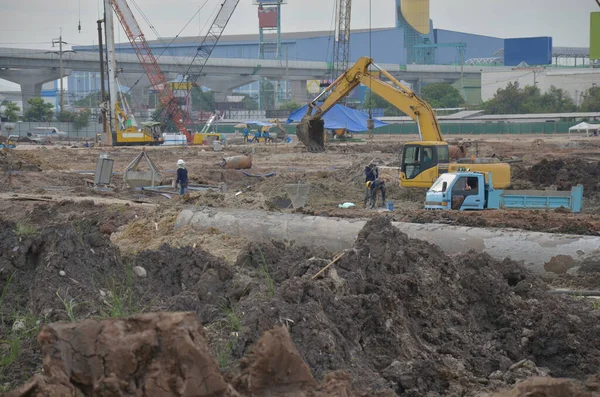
[(422, 162)]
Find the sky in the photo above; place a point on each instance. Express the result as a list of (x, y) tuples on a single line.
[(34, 23)]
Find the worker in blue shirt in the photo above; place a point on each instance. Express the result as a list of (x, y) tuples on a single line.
[(267, 135), (246, 134), (256, 136), (182, 176)]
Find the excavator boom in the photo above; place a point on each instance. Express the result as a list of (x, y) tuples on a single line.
[(310, 130)]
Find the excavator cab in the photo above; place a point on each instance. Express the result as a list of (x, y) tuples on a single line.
[(422, 162)]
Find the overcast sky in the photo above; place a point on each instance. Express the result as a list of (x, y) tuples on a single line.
[(34, 23)]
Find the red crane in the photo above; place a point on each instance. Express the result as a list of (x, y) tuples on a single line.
[(182, 120)]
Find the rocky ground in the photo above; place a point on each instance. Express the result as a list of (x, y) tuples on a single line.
[(397, 315)]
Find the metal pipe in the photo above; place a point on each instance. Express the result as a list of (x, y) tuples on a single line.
[(540, 252), (102, 89)]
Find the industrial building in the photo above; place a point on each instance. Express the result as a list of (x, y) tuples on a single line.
[(413, 40)]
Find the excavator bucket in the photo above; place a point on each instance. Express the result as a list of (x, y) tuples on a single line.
[(311, 132)]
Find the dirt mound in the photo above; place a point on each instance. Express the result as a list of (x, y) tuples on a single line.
[(562, 173), (399, 315), (166, 354), (11, 161), (549, 387)]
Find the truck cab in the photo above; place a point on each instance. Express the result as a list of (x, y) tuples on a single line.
[(468, 190), (458, 191)]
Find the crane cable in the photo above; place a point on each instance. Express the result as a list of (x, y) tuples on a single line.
[(167, 46)]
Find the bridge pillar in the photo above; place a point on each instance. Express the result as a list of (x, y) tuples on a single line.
[(31, 81)]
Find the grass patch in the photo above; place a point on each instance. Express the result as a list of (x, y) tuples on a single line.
[(223, 354), (596, 304), (120, 297), (25, 230), (10, 350), (263, 267), (69, 306), (232, 319)]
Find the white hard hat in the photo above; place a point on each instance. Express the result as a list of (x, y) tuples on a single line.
[(180, 161)]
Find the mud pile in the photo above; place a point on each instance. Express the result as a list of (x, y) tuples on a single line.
[(166, 354), (401, 316), (397, 314), (562, 173)]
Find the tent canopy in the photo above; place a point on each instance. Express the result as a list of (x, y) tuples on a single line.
[(584, 127), (260, 123), (338, 117)]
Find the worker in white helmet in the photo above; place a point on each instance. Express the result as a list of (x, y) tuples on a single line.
[(182, 176)]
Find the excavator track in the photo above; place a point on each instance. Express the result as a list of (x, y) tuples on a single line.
[(311, 133)]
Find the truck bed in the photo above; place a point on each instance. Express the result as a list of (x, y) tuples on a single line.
[(537, 199)]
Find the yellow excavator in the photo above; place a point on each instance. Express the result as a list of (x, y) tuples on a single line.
[(129, 134), (422, 162)]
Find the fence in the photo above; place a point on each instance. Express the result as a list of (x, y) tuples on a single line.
[(88, 132), (404, 128), (408, 128)]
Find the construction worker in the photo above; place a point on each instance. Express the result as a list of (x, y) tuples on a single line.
[(182, 176), (246, 134), (378, 185), (371, 174)]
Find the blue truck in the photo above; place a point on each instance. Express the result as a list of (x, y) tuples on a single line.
[(474, 191)]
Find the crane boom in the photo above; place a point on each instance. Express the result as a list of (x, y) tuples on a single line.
[(211, 39), (341, 46), (157, 78)]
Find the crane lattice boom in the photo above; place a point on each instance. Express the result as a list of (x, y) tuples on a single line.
[(158, 80)]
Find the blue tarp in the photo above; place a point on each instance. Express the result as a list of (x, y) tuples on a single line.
[(339, 116)]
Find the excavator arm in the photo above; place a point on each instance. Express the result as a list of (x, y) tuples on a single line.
[(311, 128)]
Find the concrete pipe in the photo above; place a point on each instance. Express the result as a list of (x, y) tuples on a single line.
[(540, 252)]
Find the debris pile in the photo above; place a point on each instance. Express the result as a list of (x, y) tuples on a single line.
[(563, 173)]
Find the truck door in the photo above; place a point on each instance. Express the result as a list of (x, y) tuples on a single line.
[(467, 193)]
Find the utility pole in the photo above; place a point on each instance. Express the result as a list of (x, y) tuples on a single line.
[(60, 53)]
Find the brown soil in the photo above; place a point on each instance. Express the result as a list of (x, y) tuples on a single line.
[(166, 354), (397, 314)]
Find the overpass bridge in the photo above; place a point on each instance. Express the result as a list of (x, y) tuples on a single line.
[(32, 68)]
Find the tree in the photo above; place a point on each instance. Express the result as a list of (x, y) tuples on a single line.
[(507, 100), (267, 98), (442, 95), (591, 100), (374, 101), (516, 100), (90, 101), (10, 111), (557, 100), (203, 100), (290, 106), (81, 119), (39, 110), (64, 116)]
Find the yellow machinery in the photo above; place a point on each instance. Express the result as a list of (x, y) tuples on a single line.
[(422, 162), (204, 137), (128, 134)]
